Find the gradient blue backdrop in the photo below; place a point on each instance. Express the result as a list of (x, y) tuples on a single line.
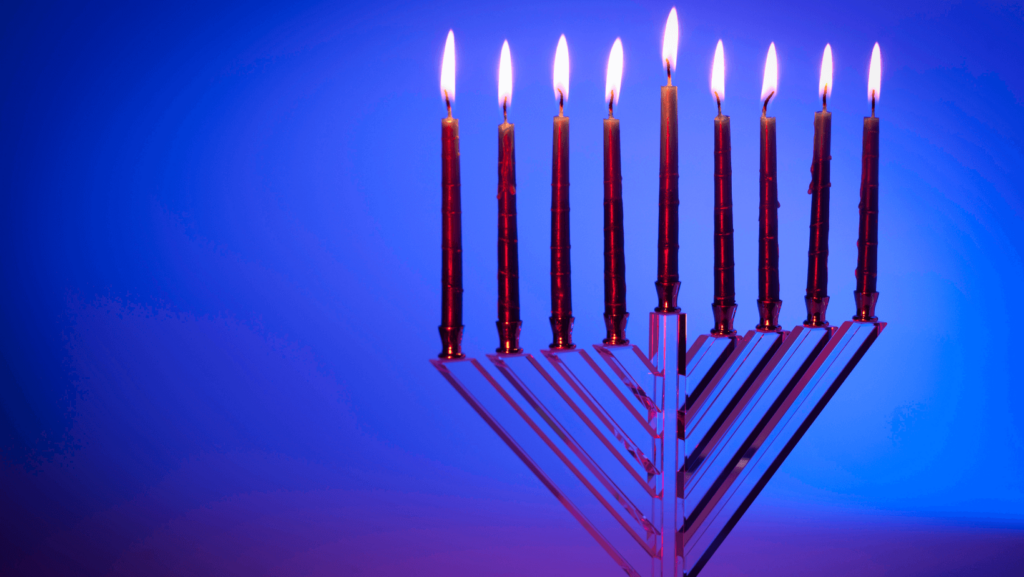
[(220, 280)]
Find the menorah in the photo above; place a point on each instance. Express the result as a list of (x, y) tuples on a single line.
[(659, 454)]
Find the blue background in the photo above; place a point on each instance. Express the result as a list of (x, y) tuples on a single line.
[(220, 279)]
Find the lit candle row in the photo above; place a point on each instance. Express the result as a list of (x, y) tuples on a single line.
[(667, 284)]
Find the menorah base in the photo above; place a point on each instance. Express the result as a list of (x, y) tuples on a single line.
[(658, 464)]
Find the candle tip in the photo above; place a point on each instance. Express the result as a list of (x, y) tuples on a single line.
[(718, 74), (505, 76), (825, 79), (670, 43), (448, 70), (875, 74), (561, 76), (613, 77), (771, 76)]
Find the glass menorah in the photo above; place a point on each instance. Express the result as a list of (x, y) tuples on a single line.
[(659, 454)]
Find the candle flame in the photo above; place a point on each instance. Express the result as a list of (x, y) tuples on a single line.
[(613, 79), (505, 76), (562, 70), (448, 69), (670, 43), (875, 74), (771, 75), (825, 81), (718, 73)]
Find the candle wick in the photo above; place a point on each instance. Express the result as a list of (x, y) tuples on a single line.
[(504, 108), (561, 101), (718, 99), (872, 104), (448, 103), (668, 68), (764, 111), (610, 101), (824, 100)]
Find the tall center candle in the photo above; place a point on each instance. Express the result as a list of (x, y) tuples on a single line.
[(866, 294), (561, 282), (509, 323), (817, 252), (768, 303), (724, 304), (615, 315), (668, 178), (451, 216)]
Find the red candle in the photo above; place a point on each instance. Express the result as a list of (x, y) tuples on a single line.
[(817, 252), (724, 305), (451, 216), (768, 303), (668, 178), (866, 294), (561, 281), (615, 315), (509, 323)]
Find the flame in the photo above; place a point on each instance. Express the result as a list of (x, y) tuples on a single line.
[(825, 80), (771, 74), (875, 74), (718, 73), (562, 69), (505, 76), (448, 68), (613, 79), (670, 44)]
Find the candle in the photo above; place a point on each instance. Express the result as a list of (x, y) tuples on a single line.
[(768, 303), (866, 294), (724, 305), (615, 315), (668, 177), (561, 285), (817, 253), (451, 215), (509, 323)]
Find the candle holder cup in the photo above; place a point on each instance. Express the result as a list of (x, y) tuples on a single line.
[(769, 312), (451, 342), (668, 293), (615, 325), (508, 336), (865, 306), (816, 307), (724, 315), (561, 332)]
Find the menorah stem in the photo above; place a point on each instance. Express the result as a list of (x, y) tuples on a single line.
[(668, 353)]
